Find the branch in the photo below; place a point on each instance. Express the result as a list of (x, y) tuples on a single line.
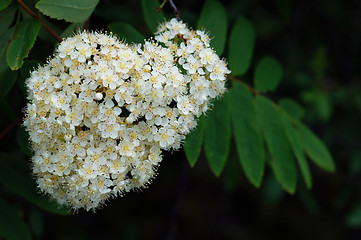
[(51, 31), (173, 6)]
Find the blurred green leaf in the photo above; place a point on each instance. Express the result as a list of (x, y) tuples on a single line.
[(6, 108), (4, 4), (213, 19), (267, 26), (282, 162), (46, 35), (126, 32), (22, 137), (12, 227), (319, 63), (151, 16), (320, 106), (297, 147), (36, 223), (189, 17), (308, 199), (293, 108), (114, 12), (15, 175), (193, 143), (268, 74), (7, 81), (232, 172), (272, 191), (315, 148), (217, 135), (6, 18), (4, 41), (355, 163), (353, 218), (71, 29), (23, 41), (247, 133), (68, 10), (240, 46), (284, 8)]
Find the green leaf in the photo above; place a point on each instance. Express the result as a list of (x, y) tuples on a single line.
[(247, 133), (293, 108), (268, 74), (241, 45), (7, 81), (71, 29), (217, 135), (126, 32), (36, 222), (68, 10), (4, 41), (23, 41), (4, 4), (214, 19), (6, 18), (353, 218), (9, 116), (297, 147), (15, 175), (12, 227), (151, 16), (193, 143), (232, 172), (282, 160), (272, 192), (22, 137), (46, 35), (319, 103), (315, 148), (116, 12)]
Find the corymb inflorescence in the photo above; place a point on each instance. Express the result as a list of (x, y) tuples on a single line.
[(100, 111)]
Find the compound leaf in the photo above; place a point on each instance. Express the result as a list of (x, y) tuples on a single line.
[(282, 160), (247, 133), (217, 135)]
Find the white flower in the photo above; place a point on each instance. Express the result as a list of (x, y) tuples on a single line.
[(100, 112)]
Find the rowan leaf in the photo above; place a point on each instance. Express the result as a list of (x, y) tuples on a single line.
[(282, 160), (12, 227), (23, 41), (268, 74), (217, 135), (247, 133), (68, 10), (126, 32), (213, 19), (240, 46), (15, 175), (152, 17), (193, 143)]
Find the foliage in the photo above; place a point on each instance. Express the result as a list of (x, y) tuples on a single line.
[(285, 129)]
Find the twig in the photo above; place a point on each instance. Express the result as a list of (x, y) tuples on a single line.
[(175, 9), (51, 31), (173, 6), (11, 126), (253, 90)]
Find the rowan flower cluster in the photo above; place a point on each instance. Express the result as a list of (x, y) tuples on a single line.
[(100, 111)]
